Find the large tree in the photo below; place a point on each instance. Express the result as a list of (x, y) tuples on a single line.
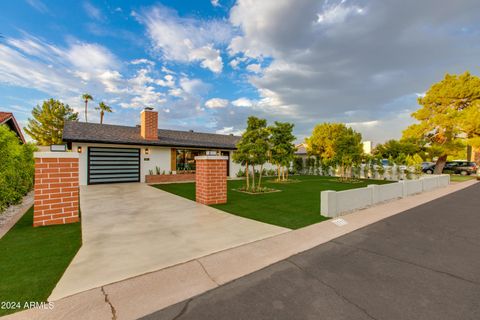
[(445, 116), (46, 127), (102, 107), (336, 144), (397, 150), (282, 149), (252, 149), (86, 97)]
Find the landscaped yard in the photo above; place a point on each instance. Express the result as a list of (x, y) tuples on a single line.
[(32, 260), (296, 206)]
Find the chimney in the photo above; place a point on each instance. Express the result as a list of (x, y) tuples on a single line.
[(149, 124)]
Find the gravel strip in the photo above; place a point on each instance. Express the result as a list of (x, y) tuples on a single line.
[(15, 210)]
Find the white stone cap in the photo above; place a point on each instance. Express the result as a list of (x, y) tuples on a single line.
[(211, 158), (55, 155)]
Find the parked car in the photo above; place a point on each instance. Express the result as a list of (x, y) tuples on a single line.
[(457, 167)]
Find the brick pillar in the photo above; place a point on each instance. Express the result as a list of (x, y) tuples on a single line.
[(56, 188), (211, 179)]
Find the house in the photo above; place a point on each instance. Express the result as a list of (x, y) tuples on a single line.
[(8, 119), (114, 153)]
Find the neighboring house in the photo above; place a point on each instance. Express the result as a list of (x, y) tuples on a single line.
[(367, 147), (8, 119), (113, 153)]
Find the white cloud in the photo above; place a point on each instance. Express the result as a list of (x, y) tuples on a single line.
[(337, 12), (185, 39), (38, 5), (254, 67), (216, 103), (91, 57), (209, 57), (242, 102), (215, 3), (92, 11), (229, 130), (142, 61), (193, 86)]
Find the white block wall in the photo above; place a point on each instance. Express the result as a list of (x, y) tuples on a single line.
[(336, 203)]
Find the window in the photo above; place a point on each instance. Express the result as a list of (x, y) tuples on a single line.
[(186, 159)]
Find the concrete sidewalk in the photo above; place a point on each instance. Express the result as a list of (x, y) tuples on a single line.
[(142, 295)]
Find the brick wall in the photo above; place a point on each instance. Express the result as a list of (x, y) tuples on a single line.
[(211, 179), (149, 125), (56, 188)]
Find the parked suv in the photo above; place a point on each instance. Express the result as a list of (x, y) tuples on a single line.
[(457, 167)]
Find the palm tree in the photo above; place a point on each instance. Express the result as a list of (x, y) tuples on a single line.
[(103, 108), (86, 97)]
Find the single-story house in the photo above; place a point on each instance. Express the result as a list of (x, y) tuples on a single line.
[(114, 153), (8, 119)]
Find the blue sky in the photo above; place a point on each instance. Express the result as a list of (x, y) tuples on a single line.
[(207, 65)]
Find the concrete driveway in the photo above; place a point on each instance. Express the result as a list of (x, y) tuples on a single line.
[(131, 229)]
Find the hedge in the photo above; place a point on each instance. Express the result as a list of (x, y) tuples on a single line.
[(16, 168)]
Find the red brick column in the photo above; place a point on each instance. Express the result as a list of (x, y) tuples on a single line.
[(56, 188), (211, 179)]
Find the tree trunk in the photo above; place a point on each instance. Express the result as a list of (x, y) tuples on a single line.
[(246, 174), (260, 177), (253, 177), (440, 164), (469, 153), (101, 117), (86, 110), (278, 172)]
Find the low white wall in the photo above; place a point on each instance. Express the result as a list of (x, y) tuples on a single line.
[(386, 192), (412, 187), (336, 203), (349, 200)]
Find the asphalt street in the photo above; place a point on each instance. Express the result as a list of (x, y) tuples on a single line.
[(423, 264)]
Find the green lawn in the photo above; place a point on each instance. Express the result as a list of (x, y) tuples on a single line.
[(296, 206), (32, 260), (459, 178)]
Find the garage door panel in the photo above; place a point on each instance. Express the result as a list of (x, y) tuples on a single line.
[(111, 165)]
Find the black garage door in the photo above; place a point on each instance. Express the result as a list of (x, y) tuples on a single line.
[(113, 165)]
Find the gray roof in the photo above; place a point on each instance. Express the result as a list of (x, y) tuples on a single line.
[(113, 134)]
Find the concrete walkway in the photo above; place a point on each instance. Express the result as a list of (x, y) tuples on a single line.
[(131, 229), (142, 295)]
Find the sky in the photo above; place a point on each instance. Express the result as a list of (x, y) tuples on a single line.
[(206, 65)]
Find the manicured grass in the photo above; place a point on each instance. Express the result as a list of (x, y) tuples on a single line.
[(459, 178), (297, 206), (32, 260)]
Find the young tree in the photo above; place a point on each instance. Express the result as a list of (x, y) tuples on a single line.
[(335, 144), (442, 118), (252, 149), (46, 127), (86, 97), (348, 151), (103, 108), (282, 147)]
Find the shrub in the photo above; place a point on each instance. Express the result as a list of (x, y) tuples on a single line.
[(241, 173), (16, 168), (298, 165)]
